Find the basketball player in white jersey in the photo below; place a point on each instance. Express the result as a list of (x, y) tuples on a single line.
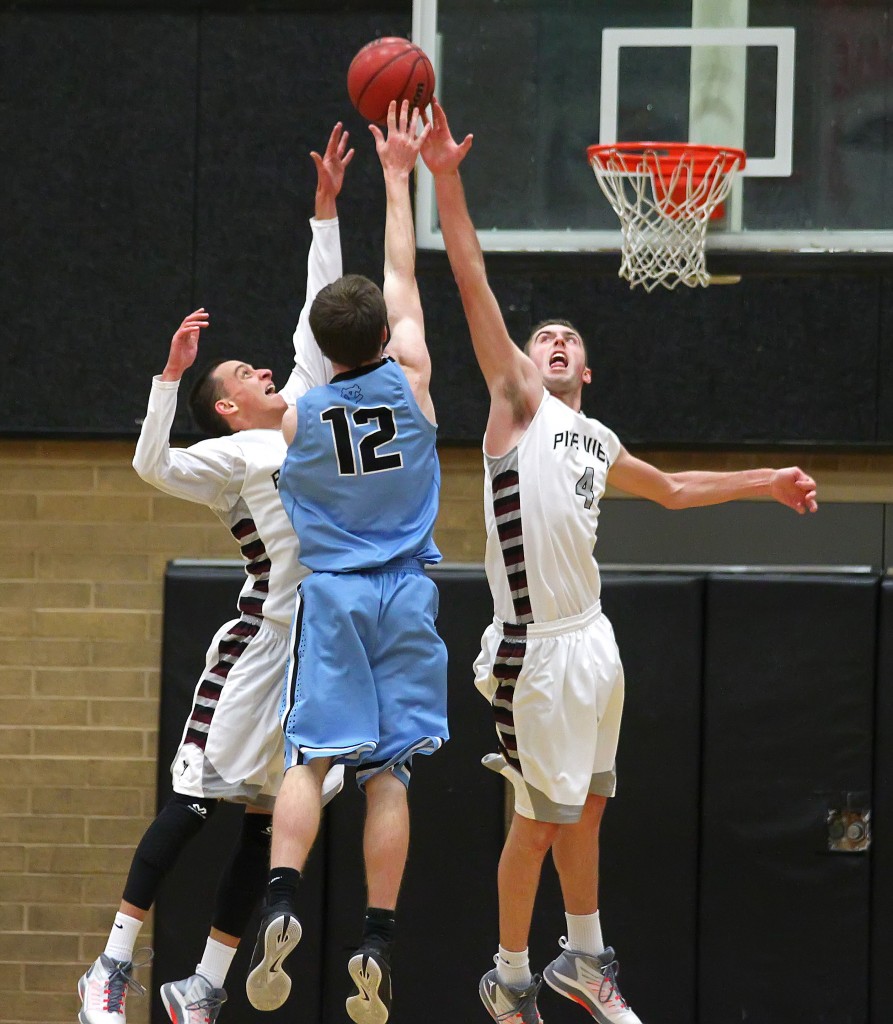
[(232, 745), (549, 664)]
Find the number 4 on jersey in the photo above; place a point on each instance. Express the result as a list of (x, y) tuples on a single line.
[(584, 487)]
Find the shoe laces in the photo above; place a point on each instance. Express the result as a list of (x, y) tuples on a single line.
[(527, 1001), (121, 980), (608, 988), (210, 1004)]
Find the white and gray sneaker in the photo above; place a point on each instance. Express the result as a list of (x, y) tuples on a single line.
[(193, 1000), (510, 1005), (590, 981), (268, 986), (103, 990)]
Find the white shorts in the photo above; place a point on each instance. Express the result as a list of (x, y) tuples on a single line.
[(556, 689), (232, 746)]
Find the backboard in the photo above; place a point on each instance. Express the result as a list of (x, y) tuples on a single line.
[(804, 86)]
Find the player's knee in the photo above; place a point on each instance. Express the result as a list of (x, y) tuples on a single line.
[(179, 820)]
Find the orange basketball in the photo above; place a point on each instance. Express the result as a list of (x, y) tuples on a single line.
[(391, 68)]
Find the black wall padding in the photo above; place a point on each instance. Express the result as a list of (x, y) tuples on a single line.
[(882, 825), (649, 853), (197, 601), (447, 915), (788, 693)]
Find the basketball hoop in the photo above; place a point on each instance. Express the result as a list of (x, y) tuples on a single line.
[(665, 194)]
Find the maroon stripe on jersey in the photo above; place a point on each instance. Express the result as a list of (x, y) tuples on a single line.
[(506, 668), (510, 530), (244, 528), (258, 568), (200, 739), (230, 648)]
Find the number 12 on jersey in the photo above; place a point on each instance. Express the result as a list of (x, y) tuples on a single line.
[(345, 442)]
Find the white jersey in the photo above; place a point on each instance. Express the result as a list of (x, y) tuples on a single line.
[(541, 512), (236, 475)]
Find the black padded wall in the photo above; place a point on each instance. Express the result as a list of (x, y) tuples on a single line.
[(157, 160), (882, 825), (788, 695), (197, 601)]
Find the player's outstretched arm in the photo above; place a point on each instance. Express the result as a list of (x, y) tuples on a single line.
[(398, 151), (789, 486), (511, 377), (201, 473), (311, 368), (184, 345)]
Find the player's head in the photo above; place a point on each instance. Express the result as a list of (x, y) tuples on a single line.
[(559, 353), (349, 320), (230, 395)]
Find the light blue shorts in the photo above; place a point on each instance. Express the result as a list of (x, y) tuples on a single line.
[(366, 680)]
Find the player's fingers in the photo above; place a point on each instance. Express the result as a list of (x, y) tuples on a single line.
[(316, 158), (404, 115), (348, 156), (392, 115), (342, 143), (376, 131), (424, 133), (466, 144)]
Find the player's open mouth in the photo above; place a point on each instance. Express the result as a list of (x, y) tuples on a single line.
[(558, 359), (270, 389)]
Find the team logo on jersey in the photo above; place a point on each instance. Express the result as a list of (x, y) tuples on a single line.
[(353, 394)]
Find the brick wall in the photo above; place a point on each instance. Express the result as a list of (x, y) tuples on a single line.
[(84, 546)]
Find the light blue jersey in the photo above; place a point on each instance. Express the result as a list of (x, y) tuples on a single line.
[(361, 480)]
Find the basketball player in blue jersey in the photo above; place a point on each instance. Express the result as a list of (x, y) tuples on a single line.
[(366, 683), (549, 664)]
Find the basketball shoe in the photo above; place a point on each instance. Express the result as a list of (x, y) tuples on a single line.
[(193, 1000), (590, 981), (371, 973), (103, 990), (509, 1005), (268, 985)]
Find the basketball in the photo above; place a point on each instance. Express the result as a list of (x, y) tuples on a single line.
[(391, 68)]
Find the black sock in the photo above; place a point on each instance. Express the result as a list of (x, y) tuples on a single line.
[(282, 888), (378, 929)]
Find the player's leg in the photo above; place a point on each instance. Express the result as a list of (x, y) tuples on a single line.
[(296, 819), (586, 970), (240, 888), (385, 848), (103, 988)]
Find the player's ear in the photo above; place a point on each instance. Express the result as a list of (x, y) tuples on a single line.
[(225, 407), (587, 375)]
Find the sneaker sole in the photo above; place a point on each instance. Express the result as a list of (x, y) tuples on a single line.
[(267, 985), (365, 1007)]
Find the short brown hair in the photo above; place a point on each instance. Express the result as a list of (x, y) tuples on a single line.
[(203, 397), (347, 319), (534, 331)]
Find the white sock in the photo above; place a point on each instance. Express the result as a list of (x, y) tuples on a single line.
[(584, 933), (216, 961), (122, 937), (513, 969)]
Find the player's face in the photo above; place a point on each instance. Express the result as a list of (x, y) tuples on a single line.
[(252, 393), (558, 353)]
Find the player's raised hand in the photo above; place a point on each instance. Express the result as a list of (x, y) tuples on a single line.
[(330, 167), (440, 151), (184, 345), (399, 150), (794, 488)]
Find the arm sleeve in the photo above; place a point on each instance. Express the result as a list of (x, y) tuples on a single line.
[(208, 473), (323, 266)]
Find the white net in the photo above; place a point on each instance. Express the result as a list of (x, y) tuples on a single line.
[(665, 195)]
